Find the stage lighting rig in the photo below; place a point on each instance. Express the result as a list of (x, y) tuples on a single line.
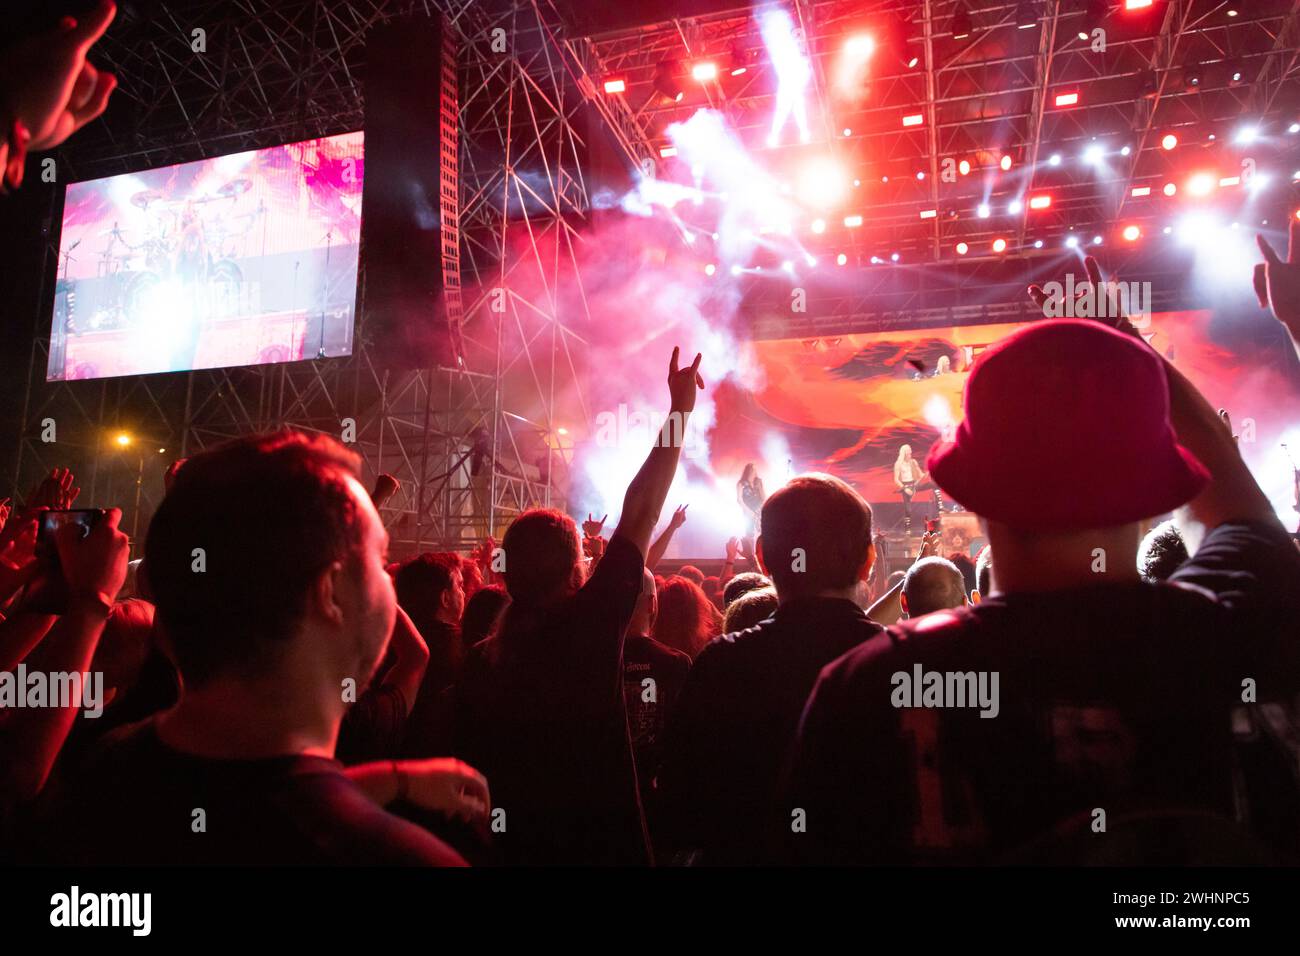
[(1026, 14)]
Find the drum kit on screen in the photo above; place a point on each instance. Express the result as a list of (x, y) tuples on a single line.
[(197, 241)]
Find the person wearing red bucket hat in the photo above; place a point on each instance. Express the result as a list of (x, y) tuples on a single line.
[(1112, 458), (1077, 704)]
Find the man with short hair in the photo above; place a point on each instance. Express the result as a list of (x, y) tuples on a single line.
[(1161, 552), (741, 703), (1098, 692), (540, 705), (430, 588), (266, 565), (932, 584)]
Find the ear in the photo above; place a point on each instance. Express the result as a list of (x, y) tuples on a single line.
[(758, 553), (322, 597), (902, 601), (975, 596)]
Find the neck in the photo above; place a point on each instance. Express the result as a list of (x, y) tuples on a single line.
[(1056, 562), (843, 594), (235, 719)]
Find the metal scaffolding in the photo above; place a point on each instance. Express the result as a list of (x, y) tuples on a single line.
[(471, 445)]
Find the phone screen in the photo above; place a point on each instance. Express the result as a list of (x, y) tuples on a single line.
[(47, 593)]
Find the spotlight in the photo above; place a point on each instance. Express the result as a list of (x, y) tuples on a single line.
[(1005, 163), (667, 152), (1038, 243), (1067, 99), (1137, 191), (982, 210), (1293, 128), (1230, 181), (847, 131), (859, 47), (1247, 134), (615, 86), (818, 226), (788, 266), (822, 183), (929, 213), (913, 119), (1054, 159), (912, 61), (1026, 15), (841, 259), (961, 22), (1125, 151), (1071, 242), (964, 167), (1136, 4), (894, 256), (920, 174), (1094, 154), (1042, 201), (1096, 240), (1131, 233), (704, 71), (962, 248), (999, 245), (1169, 141), (666, 83), (852, 222), (710, 269), (122, 439), (735, 270), (1202, 184), (1170, 189), (1014, 207)]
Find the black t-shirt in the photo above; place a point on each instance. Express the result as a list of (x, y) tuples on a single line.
[(541, 714), (1123, 698), (372, 728), (133, 801), (426, 733), (733, 723), (648, 705)]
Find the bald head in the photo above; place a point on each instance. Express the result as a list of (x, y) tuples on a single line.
[(932, 584)]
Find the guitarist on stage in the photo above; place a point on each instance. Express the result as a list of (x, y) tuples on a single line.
[(908, 473)]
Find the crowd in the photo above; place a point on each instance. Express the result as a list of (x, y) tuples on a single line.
[(274, 690), (266, 687)]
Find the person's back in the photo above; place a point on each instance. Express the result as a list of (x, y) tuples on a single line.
[(1027, 711), (137, 802), (1076, 697), (541, 713), (734, 721)]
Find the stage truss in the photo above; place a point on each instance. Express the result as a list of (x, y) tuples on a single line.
[(513, 199)]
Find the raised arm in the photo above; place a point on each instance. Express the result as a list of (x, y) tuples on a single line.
[(660, 546), (645, 495)]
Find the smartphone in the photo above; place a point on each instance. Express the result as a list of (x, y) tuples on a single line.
[(48, 592)]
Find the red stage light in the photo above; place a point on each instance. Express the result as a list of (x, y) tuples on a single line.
[(999, 245), (1169, 141), (962, 248), (1040, 202), (913, 119), (860, 46), (1131, 233), (1067, 99), (1005, 163), (615, 86), (1136, 4), (1202, 184), (704, 70)]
